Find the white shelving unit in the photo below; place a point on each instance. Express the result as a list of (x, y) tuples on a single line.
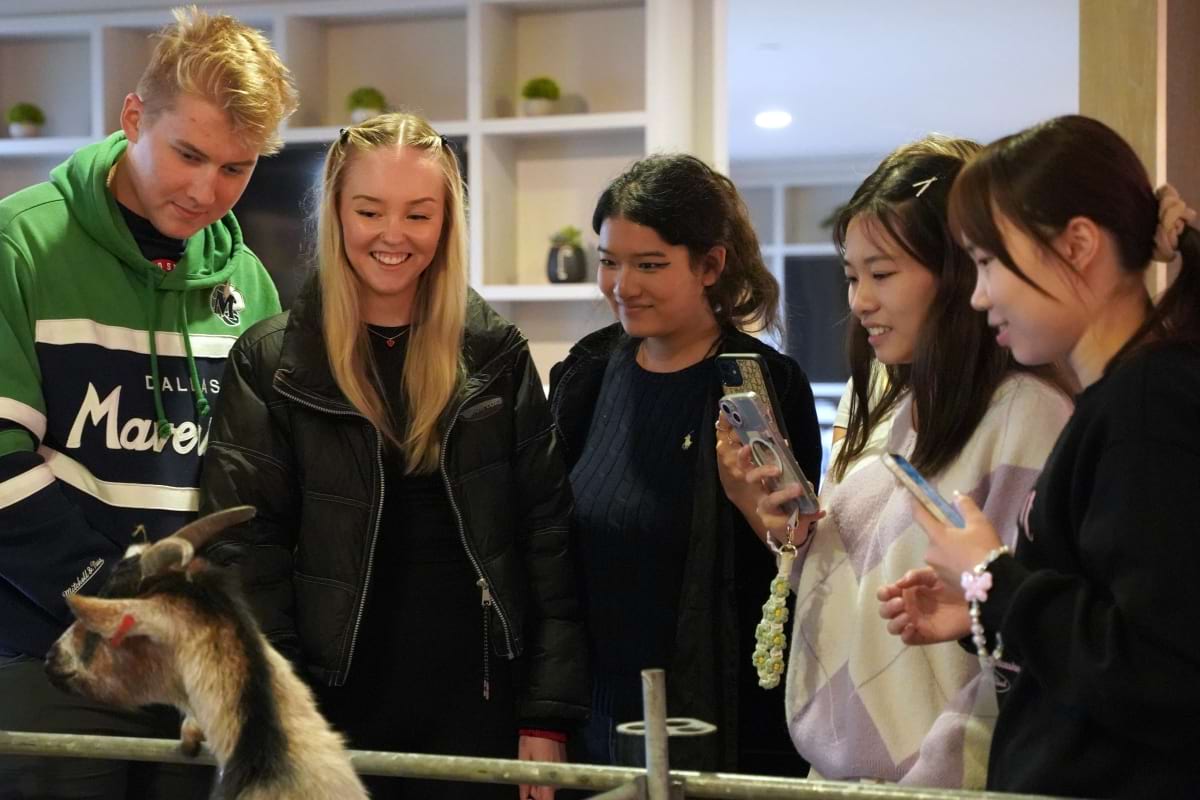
[(637, 76)]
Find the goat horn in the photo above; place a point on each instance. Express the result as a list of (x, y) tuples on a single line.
[(161, 557), (199, 532)]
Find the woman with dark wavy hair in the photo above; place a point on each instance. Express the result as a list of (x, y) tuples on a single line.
[(1097, 607), (670, 577), (928, 383)]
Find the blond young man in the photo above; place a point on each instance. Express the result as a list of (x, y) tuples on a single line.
[(124, 281)]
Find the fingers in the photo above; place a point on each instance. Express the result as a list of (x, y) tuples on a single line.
[(892, 609), (968, 508)]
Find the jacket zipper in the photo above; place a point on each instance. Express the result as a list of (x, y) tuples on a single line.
[(487, 600), (340, 678)]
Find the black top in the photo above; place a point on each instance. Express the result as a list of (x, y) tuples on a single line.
[(419, 563), (155, 246), (1100, 608), (633, 486)]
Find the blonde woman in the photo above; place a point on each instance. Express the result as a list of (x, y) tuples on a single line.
[(411, 550)]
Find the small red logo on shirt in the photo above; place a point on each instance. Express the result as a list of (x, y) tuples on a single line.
[(165, 264)]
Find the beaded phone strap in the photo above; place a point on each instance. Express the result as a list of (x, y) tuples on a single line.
[(769, 636)]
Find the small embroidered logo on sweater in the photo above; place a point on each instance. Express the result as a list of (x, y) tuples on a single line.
[(226, 302), (88, 573)]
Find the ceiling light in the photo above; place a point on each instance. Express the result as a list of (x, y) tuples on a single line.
[(772, 119)]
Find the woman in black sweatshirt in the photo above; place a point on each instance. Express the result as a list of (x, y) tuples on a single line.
[(1095, 617)]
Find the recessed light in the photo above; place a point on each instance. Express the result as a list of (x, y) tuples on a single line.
[(772, 119)]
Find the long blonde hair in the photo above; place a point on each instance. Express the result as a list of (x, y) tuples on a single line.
[(433, 369)]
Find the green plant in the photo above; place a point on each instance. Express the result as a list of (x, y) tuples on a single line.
[(544, 88), (569, 236), (366, 97), (27, 113)]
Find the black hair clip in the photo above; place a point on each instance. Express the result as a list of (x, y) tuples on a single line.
[(449, 145), (343, 134)]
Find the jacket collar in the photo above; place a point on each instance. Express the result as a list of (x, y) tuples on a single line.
[(304, 360)]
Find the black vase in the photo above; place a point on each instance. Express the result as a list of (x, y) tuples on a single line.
[(566, 264)]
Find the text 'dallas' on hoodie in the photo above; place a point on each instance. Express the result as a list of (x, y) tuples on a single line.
[(109, 366)]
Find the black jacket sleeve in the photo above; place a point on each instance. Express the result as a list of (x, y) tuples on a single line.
[(557, 682), (249, 462), (1118, 637)]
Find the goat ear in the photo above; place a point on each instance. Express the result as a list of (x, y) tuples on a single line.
[(169, 554), (116, 619), (198, 533)]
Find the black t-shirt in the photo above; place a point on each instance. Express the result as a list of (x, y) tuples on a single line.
[(633, 486), (155, 246), (1099, 607), (422, 594)]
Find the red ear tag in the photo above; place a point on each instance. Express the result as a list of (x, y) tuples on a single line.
[(127, 623)]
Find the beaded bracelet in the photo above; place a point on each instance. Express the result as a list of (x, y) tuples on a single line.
[(976, 583), (770, 640)]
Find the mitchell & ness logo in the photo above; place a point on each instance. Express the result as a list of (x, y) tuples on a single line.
[(89, 572)]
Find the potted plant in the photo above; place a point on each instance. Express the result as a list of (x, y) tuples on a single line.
[(539, 96), (566, 262), (365, 102), (25, 119)]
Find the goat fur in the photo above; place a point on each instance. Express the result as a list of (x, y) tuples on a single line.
[(193, 643)]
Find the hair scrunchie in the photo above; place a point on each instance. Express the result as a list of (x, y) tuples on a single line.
[(1173, 216)]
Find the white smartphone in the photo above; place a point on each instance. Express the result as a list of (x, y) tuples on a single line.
[(921, 489), (747, 416)]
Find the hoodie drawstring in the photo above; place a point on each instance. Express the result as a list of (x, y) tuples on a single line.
[(197, 394), (162, 425)]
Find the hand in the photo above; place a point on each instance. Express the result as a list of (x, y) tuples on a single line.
[(921, 609), (535, 748), (733, 460), (953, 551), (770, 506)]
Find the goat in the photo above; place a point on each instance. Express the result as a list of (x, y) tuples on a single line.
[(170, 628)]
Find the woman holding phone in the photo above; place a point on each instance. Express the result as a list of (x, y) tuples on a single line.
[(1097, 606), (670, 574), (861, 705)]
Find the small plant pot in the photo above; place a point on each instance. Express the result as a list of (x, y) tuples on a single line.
[(361, 115), (537, 106), (24, 130), (566, 264)]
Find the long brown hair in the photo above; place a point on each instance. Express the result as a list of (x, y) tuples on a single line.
[(1074, 166), (957, 364), (689, 203)]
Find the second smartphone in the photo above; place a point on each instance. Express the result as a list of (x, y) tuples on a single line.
[(748, 416)]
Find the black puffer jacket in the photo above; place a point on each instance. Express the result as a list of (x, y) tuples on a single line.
[(286, 441), (727, 571)]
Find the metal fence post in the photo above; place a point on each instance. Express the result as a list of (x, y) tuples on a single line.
[(654, 704)]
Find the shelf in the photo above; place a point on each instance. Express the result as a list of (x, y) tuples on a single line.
[(51, 72), (417, 61), (569, 42), (529, 186), (43, 145), (565, 124), (533, 293), (327, 133)]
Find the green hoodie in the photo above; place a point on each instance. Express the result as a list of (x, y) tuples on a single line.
[(107, 362)]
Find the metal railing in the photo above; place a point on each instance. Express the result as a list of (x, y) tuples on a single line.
[(656, 782)]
